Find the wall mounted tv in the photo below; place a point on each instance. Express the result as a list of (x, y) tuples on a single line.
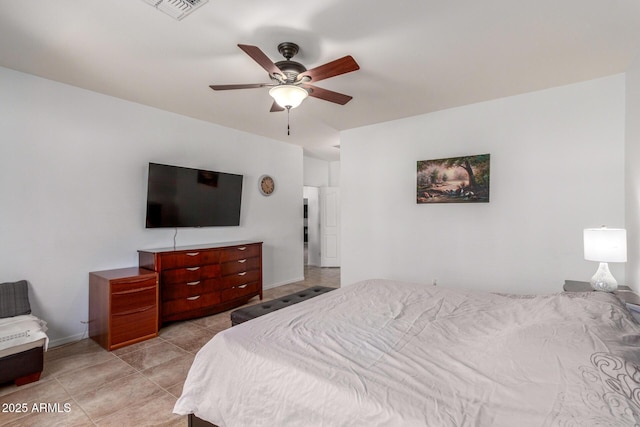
[(185, 197)]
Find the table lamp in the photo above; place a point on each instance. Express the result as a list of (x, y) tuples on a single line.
[(605, 245)]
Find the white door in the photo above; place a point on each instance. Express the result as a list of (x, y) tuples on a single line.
[(329, 227)]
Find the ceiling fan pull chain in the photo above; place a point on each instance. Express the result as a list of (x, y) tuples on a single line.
[(288, 128)]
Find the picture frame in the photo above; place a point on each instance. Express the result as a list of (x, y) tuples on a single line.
[(454, 180)]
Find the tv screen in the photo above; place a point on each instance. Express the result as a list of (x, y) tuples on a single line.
[(185, 197)]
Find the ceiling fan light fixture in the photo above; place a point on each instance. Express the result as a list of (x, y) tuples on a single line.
[(288, 96)]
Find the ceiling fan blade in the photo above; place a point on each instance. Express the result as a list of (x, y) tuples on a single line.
[(327, 95), (331, 69), (275, 107), (263, 60), (240, 86)]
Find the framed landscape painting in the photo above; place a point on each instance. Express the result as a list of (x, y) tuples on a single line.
[(454, 180)]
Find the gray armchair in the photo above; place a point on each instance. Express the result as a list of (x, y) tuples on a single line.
[(22, 338)]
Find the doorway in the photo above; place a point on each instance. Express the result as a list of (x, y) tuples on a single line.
[(321, 226), (311, 225)]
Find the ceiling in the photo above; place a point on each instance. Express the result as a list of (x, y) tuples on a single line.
[(415, 56)]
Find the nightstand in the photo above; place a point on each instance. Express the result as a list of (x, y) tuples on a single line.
[(624, 293), (123, 306)]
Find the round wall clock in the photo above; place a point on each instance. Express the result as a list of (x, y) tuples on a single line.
[(266, 185)]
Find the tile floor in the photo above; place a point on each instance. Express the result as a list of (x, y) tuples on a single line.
[(137, 385)]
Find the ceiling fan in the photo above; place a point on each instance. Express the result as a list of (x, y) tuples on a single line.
[(291, 80)]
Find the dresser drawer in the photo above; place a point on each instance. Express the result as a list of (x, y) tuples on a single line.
[(190, 274), (241, 291), (132, 283), (189, 258), (189, 289), (134, 326), (238, 279), (134, 300), (190, 303), (240, 265), (239, 252)]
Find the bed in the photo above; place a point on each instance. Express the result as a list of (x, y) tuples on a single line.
[(386, 353)]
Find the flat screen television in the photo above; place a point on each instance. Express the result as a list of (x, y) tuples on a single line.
[(185, 197)]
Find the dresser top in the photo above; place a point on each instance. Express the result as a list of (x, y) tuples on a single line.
[(201, 246), (123, 273)]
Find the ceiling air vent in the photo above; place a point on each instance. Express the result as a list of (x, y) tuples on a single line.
[(177, 9)]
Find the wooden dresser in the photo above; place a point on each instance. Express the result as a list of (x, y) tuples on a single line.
[(199, 280), (123, 306)]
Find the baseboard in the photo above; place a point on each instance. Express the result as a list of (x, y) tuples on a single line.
[(286, 282), (66, 340)]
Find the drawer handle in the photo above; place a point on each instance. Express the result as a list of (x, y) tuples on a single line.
[(193, 253), (193, 268), (243, 286), (193, 283), (133, 291), (138, 310), (242, 274), (193, 298), (242, 261), (242, 248)]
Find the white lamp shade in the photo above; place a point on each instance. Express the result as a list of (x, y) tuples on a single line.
[(288, 96), (605, 244)]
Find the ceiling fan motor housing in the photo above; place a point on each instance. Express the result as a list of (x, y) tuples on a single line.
[(290, 68)]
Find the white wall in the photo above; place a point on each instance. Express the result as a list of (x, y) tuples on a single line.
[(73, 170), (557, 166), (321, 173), (334, 174), (632, 174), (315, 172)]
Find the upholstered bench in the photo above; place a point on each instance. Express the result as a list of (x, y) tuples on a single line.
[(243, 314)]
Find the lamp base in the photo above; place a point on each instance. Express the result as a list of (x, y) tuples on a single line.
[(603, 280)]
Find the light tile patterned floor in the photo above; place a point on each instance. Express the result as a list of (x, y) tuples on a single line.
[(137, 385)]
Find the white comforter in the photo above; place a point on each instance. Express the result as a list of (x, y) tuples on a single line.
[(382, 353)]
